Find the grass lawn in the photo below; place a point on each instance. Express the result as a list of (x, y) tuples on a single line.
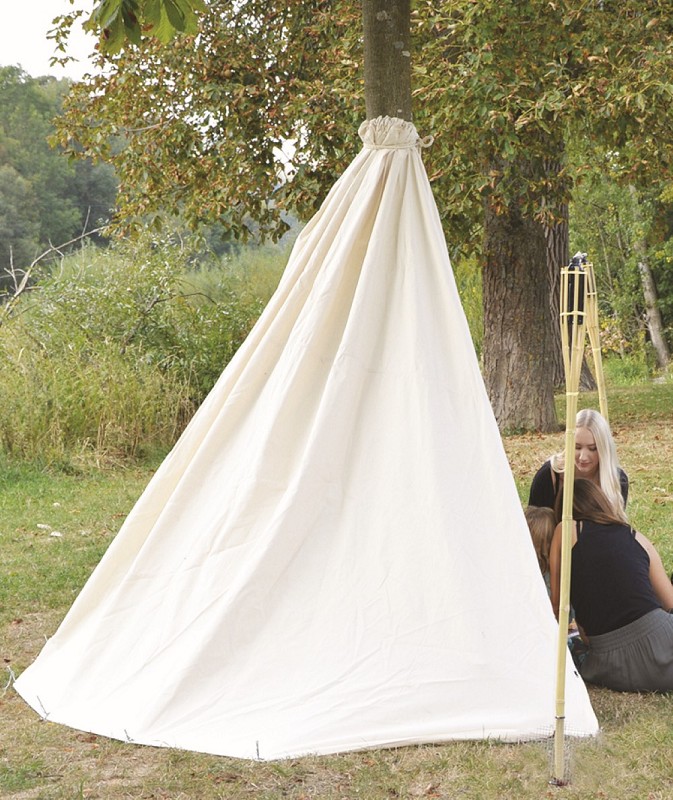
[(54, 529)]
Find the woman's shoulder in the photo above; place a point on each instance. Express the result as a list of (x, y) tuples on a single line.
[(546, 468), (542, 488), (544, 474), (623, 484)]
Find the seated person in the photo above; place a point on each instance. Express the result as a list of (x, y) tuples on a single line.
[(621, 595), (541, 523), (595, 459)]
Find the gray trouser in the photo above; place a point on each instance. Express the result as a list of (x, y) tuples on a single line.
[(635, 658)]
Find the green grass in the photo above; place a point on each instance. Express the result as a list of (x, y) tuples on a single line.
[(629, 405), (116, 350), (54, 528), (41, 574)]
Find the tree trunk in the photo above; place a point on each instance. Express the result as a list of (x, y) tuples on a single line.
[(518, 338), (653, 319), (387, 59), (557, 240), (655, 324)]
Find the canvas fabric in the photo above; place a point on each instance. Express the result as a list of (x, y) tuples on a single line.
[(333, 556)]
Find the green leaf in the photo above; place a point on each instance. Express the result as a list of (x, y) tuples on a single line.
[(114, 35), (105, 13), (175, 14), (159, 18), (131, 24), (163, 29), (153, 12)]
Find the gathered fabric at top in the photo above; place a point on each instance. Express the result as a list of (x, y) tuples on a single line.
[(391, 133), (314, 568)]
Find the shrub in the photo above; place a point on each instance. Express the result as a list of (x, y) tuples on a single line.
[(468, 280), (111, 356), (626, 370)]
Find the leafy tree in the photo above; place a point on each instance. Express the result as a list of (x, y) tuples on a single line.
[(43, 198), (19, 223), (627, 234), (503, 86), (517, 82), (661, 255), (25, 124), (203, 126)]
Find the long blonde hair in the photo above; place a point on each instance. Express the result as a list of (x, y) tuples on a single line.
[(608, 463)]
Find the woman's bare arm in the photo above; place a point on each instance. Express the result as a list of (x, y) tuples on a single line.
[(555, 569), (555, 564), (660, 581)]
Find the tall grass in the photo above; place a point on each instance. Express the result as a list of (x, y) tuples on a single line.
[(108, 358)]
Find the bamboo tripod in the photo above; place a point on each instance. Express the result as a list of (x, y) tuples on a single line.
[(579, 314), (594, 334)]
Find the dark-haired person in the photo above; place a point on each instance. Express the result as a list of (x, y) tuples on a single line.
[(621, 595), (541, 524)]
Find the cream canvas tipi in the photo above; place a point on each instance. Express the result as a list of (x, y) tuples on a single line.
[(334, 555)]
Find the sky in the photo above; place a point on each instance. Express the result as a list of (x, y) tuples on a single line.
[(23, 37)]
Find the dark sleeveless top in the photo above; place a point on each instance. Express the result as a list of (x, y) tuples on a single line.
[(543, 490), (610, 578)]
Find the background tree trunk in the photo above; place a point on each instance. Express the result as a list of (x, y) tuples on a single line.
[(387, 59), (558, 246), (655, 326), (518, 339)]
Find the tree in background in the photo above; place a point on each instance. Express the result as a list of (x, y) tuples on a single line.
[(44, 198), (628, 235), (19, 223), (503, 87), (519, 83)]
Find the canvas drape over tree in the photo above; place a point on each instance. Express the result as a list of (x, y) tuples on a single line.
[(501, 86)]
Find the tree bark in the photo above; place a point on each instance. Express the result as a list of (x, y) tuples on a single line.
[(655, 325), (558, 246), (387, 62), (518, 338)]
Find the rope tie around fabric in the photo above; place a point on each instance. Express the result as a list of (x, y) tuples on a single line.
[(420, 143), (392, 133)]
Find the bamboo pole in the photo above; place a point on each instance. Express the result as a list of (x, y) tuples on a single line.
[(573, 329), (594, 337)]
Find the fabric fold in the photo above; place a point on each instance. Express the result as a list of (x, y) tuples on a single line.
[(334, 555)]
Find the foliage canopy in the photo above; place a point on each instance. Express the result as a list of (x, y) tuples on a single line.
[(43, 198), (204, 121), (119, 20)]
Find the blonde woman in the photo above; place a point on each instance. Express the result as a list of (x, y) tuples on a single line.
[(595, 459)]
